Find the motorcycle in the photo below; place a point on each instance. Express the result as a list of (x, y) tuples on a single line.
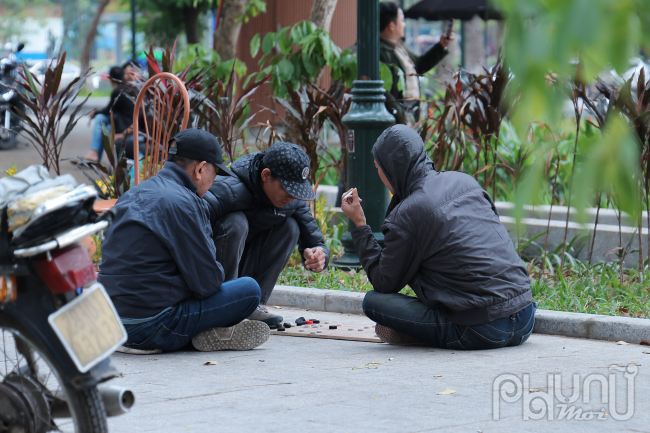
[(10, 123), (58, 326)]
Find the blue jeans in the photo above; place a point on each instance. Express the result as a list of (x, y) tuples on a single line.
[(97, 143), (410, 316), (235, 301)]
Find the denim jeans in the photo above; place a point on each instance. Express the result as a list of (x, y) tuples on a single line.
[(97, 143), (410, 316), (235, 301)]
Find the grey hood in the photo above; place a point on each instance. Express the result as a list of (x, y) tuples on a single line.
[(400, 153)]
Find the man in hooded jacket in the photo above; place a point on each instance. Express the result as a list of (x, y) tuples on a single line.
[(442, 237)]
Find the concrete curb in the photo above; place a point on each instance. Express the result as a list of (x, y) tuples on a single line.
[(579, 325), (334, 301)]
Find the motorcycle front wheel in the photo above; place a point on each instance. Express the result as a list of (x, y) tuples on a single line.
[(10, 143), (33, 398)]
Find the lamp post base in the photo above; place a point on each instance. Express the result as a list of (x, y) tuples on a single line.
[(349, 259)]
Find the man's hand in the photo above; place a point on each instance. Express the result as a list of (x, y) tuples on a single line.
[(352, 208), (446, 41), (92, 114), (314, 259)]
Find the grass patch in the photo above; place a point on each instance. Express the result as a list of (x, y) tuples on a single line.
[(593, 289)]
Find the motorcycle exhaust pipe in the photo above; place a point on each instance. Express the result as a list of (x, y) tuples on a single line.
[(117, 400)]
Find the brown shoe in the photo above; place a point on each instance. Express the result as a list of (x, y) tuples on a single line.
[(391, 336)]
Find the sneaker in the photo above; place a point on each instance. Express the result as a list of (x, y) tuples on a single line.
[(243, 336), (132, 351), (263, 315), (391, 336)]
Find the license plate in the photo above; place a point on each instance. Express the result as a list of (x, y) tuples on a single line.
[(89, 327)]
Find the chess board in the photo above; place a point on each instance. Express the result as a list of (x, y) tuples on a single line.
[(344, 331)]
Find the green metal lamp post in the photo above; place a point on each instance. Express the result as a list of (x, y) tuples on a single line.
[(134, 54), (365, 121)]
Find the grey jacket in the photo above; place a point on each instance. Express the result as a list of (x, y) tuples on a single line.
[(442, 237)]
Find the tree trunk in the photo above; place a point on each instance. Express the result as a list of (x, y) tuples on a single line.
[(322, 12), (90, 35), (191, 18), (227, 34), (474, 45)]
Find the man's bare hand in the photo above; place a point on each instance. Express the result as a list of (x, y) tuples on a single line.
[(92, 114), (314, 259), (352, 207), (446, 41)]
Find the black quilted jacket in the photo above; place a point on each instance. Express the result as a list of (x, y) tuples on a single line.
[(244, 193)]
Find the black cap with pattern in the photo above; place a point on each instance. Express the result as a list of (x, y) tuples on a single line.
[(291, 165)]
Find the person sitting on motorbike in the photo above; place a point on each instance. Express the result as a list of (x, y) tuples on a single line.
[(158, 260), (120, 105), (134, 79)]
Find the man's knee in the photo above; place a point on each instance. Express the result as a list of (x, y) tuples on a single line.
[(103, 119), (249, 288), (235, 225), (369, 302)]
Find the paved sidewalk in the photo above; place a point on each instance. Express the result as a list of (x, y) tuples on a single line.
[(307, 384)]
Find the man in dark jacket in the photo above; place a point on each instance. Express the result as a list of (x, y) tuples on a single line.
[(158, 260), (403, 62), (442, 237), (260, 214)]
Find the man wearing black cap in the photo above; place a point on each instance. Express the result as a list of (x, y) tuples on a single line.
[(260, 214), (158, 260)]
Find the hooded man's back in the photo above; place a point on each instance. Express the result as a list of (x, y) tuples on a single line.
[(446, 240)]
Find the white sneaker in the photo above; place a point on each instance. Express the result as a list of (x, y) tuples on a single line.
[(131, 351), (243, 336)]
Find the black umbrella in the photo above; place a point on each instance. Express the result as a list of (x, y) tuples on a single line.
[(439, 10)]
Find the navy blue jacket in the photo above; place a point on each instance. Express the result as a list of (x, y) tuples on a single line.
[(159, 249)]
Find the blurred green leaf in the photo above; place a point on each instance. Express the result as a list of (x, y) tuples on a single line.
[(268, 42), (285, 69), (386, 76), (611, 164), (255, 45)]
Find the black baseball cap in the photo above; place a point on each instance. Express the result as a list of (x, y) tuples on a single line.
[(199, 145), (291, 165)]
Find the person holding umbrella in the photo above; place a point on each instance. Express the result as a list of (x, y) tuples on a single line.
[(403, 61)]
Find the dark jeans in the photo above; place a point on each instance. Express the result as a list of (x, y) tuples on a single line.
[(234, 302), (261, 256), (410, 316)]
